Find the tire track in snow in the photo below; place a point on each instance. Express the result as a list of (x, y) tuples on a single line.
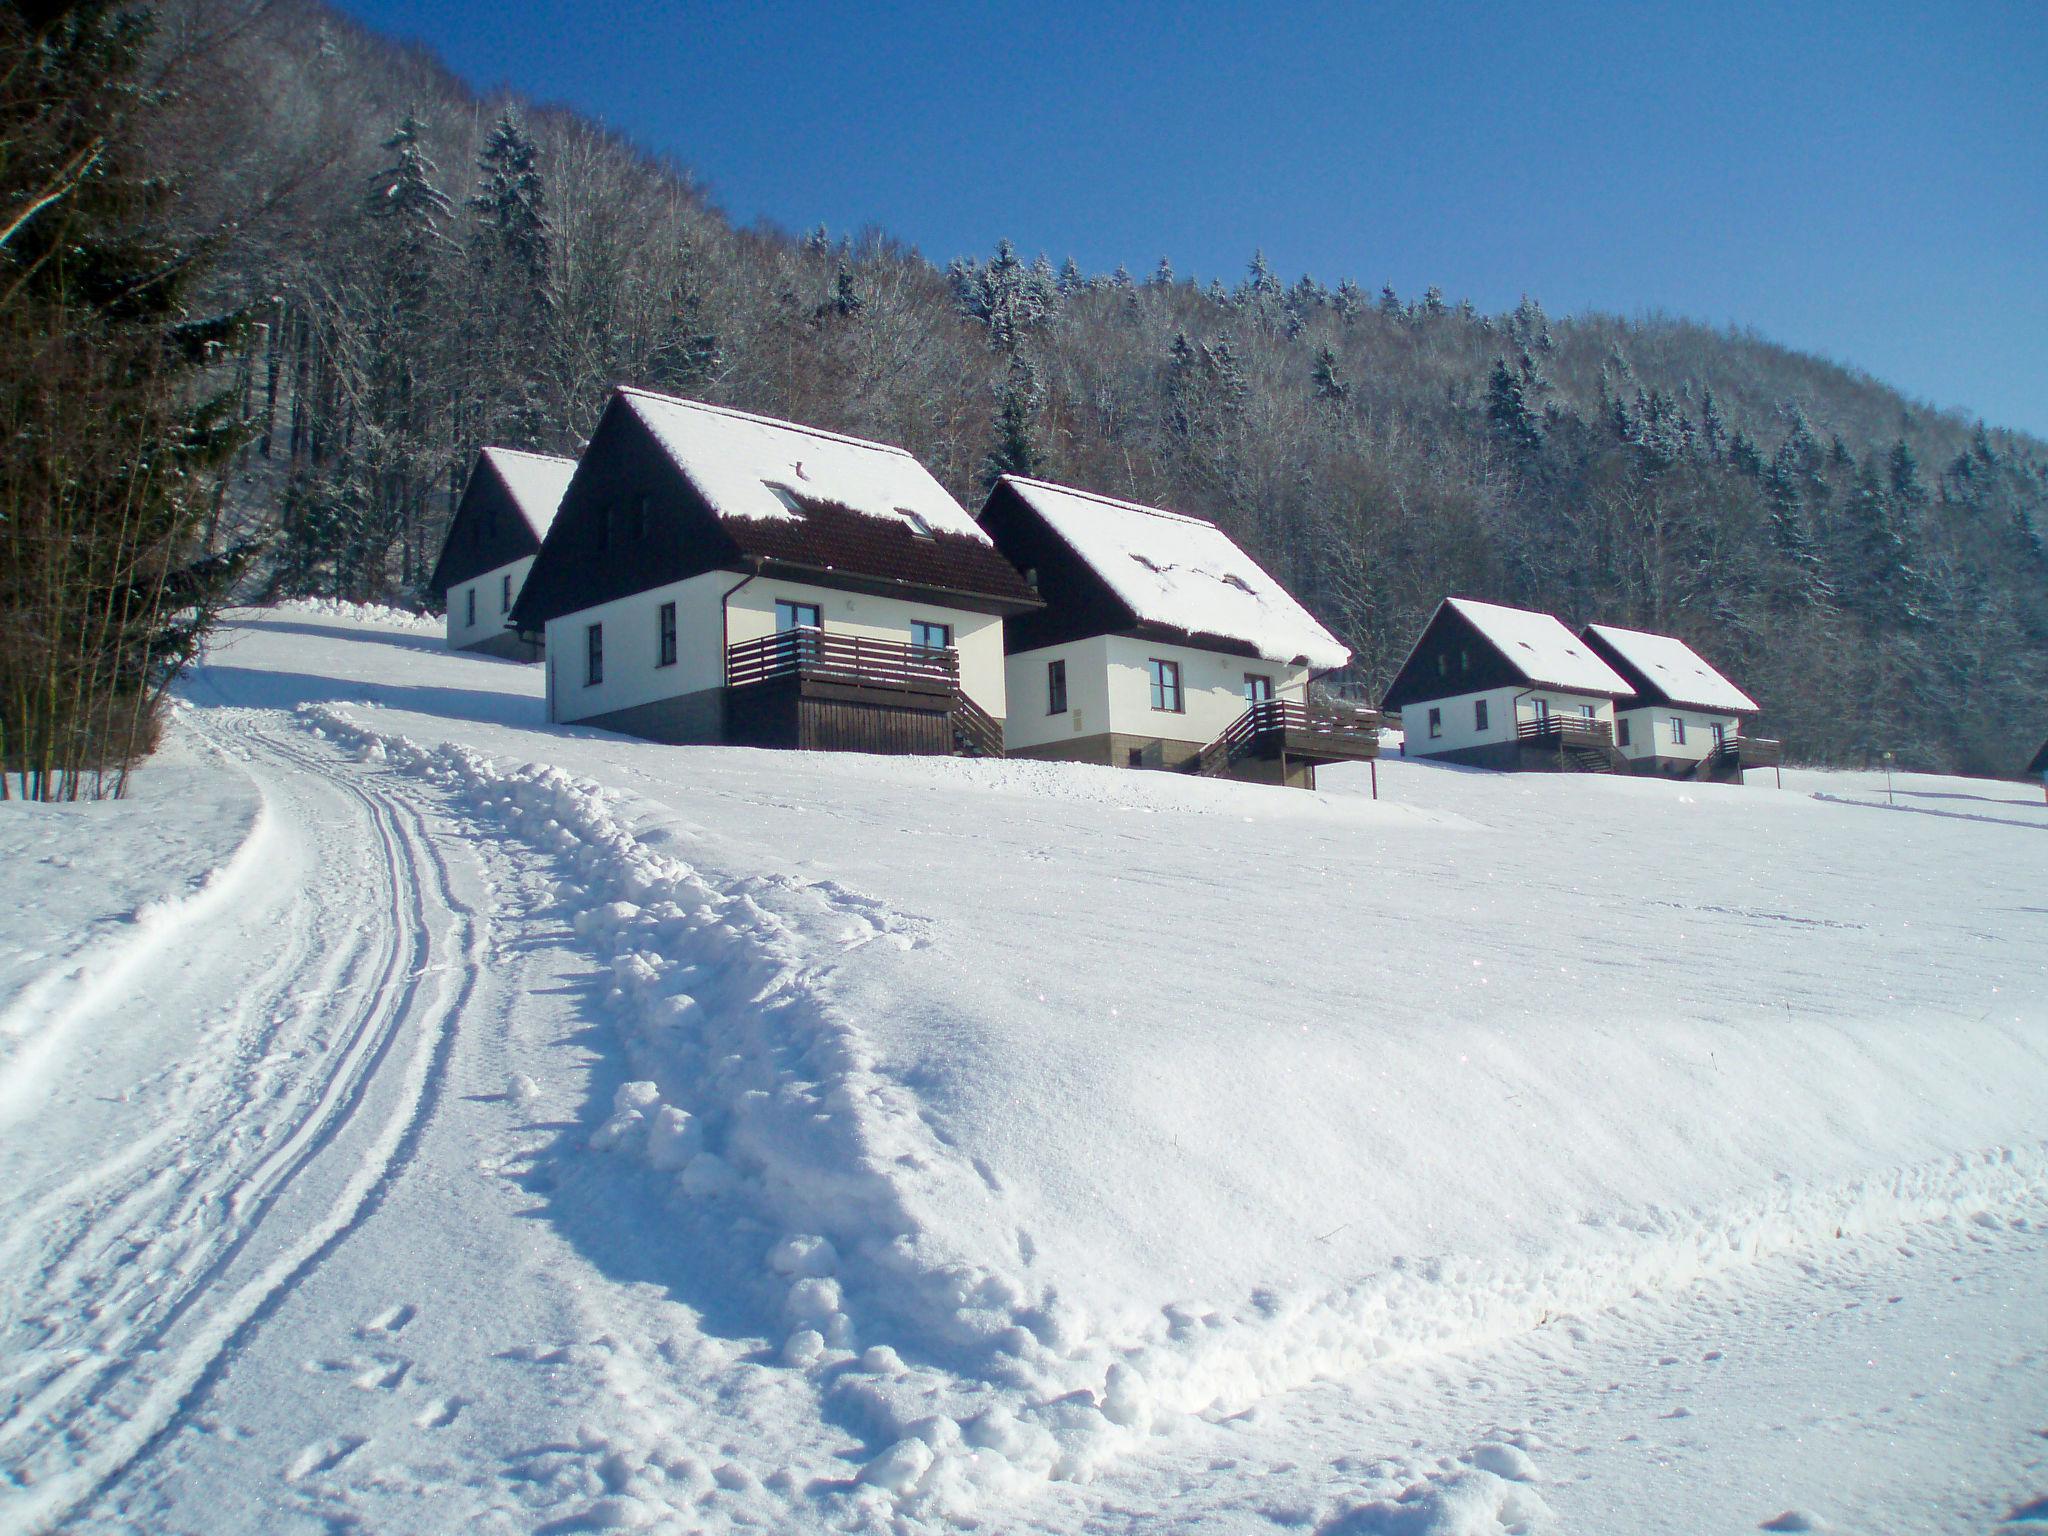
[(92, 1425)]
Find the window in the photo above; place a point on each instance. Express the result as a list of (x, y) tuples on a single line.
[(1258, 688), (1135, 757), (1055, 687), (1720, 733), (1621, 731), (790, 616), (1479, 720), (933, 637), (915, 522), (469, 598), (1436, 722), (786, 496), (505, 593), (1542, 708), (1443, 664), (666, 622), (1588, 710), (593, 655), (1165, 685), (1678, 730)]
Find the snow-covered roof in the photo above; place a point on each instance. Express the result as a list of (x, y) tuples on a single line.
[(535, 481), (1675, 668), (1182, 572), (1541, 648), (736, 461)]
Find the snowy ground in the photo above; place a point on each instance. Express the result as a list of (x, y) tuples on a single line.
[(437, 1121)]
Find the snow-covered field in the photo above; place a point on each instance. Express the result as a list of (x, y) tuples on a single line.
[(414, 1118)]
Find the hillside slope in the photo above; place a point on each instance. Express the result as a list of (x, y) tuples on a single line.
[(826, 1141), (1875, 569)]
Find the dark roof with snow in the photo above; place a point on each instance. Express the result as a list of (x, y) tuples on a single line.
[(1108, 566), (670, 489), (1469, 646), (506, 510), (1662, 669)]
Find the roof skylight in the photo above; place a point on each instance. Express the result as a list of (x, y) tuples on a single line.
[(786, 496)]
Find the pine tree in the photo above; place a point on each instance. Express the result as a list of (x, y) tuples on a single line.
[(511, 203), (1260, 283), (1507, 408), (1162, 276), (1019, 399), (118, 421), (1390, 301), (1331, 387), (846, 301), (1713, 430), (1433, 302)]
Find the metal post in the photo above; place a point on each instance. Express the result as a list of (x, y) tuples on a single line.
[(1374, 764), (1888, 778)]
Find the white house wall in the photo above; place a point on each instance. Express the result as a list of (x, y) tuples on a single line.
[(1029, 723), (1505, 709), (492, 608), (1212, 689), (706, 622), (1650, 733)]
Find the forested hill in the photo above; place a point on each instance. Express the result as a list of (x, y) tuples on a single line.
[(439, 271)]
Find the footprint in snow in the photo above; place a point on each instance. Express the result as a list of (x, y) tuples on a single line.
[(390, 1321), (441, 1413), (384, 1376), (323, 1456)]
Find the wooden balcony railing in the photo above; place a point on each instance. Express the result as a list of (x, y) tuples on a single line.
[(1748, 751), (818, 653), (1565, 729), (1345, 730)]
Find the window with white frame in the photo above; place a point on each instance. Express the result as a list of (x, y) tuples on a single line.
[(665, 627), (1166, 685), (1678, 730)]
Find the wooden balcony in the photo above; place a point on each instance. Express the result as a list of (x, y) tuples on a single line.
[(1287, 729), (1575, 730), (819, 691), (1736, 753), (854, 660)]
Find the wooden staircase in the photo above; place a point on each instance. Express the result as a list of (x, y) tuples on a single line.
[(976, 733), (1582, 745)]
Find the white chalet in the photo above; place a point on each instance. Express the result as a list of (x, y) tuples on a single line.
[(1499, 687), (505, 512), (1684, 719), (1161, 644), (715, 576)]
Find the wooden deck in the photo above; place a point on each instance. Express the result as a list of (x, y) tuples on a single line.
[(816, 691), (1288, 731)]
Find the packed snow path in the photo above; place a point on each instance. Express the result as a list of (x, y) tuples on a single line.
[(314, 990), (458, 1156)]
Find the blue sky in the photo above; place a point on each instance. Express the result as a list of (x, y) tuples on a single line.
[(1865, 181)]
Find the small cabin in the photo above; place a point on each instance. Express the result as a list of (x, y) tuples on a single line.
[(1507, 688), (1161, 644), (1684, 718), (505, 513), (720, 577)]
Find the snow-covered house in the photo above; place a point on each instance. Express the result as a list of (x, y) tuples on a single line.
[(1684, 719), (505, 512), (1161, 644), (720, 577), (1500, 687)]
